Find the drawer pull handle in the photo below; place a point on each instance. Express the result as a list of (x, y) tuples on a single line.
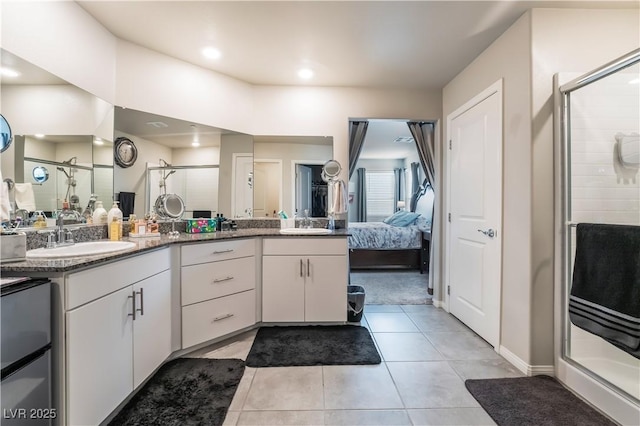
[(222, 251), (133, 302), (220, 318), (308, 269), (141, 309), (220, 280), (301, 268)]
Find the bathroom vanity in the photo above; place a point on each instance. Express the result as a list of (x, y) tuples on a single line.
[(117, 318)]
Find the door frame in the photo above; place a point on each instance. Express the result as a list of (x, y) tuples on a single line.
[(234, 159), (294, 163), (495, 88)]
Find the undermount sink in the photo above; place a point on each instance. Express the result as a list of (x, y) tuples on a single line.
[(89, 248), (305, 231)]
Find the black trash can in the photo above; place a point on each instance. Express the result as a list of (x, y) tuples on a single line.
[(355, 303)]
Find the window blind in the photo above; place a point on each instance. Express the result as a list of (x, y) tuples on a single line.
[(380, 195)]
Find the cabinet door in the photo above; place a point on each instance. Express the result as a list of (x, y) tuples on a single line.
[(283, 288), (99, 363), (326, 288), (152, 326)]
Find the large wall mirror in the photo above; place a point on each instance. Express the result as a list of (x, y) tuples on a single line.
[(62, 147), (196, 162), (287, 175)]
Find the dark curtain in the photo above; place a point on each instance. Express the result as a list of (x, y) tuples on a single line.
[(415, 187), (423, 135), (357, 133), (361, 194), (398, 187)]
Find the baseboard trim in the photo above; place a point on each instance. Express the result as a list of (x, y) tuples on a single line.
[(529, 370), (437, 303)]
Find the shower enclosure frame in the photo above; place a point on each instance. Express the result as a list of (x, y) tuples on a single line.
[(607, 397)]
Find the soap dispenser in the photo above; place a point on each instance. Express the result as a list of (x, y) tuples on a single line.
[(114, 220), (99, 214)]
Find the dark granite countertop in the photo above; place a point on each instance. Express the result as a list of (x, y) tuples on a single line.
[(145, 245)]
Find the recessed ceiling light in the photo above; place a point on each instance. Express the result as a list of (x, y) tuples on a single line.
[(195, 144), (98, 141), (305, 73), (39, 135), (8, 72), (211, 53)]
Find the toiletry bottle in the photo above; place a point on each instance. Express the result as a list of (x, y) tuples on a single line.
[(114, 229), (40, 222), (115, 214), (99, 214)]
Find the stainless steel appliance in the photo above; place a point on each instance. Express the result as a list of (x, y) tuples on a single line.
[(26, 353)]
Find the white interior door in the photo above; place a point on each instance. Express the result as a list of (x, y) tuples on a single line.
[(475, 205)]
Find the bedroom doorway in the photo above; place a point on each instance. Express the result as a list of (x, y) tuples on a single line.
[(390, 259), (474, 230)]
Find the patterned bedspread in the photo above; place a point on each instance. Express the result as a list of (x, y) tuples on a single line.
[(379, 235)]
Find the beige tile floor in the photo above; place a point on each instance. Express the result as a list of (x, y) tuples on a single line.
[(427, 354)]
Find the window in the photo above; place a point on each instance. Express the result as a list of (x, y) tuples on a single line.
[(380, 195)]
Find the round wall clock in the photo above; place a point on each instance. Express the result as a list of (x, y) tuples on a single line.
[(125, 152)]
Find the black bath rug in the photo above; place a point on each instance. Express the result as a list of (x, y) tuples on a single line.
[(533, 401), (312, 345), (185, 391)]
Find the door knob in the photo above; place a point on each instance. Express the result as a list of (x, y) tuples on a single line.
[(489, 232)]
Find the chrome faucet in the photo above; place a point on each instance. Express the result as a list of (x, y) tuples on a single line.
[(63, 236), (306, 220)]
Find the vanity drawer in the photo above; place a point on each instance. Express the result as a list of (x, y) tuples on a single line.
[(194, 254), (91, 284), (214, 318), (216, 279), (305, 246)]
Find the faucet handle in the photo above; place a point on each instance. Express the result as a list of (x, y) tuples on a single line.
[(51, 239)]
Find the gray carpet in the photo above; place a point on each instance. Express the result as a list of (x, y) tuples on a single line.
[(533, 401), (185, 391), (393, 287), (312, 345)]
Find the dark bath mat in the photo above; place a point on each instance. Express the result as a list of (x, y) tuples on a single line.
[(535, 401), (312, 345), (185, 391)]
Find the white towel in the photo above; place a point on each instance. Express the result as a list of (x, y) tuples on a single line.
[(5, 203), (25, 199), (339, 200)]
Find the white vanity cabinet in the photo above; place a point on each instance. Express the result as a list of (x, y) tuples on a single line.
[(218, 289), (304, 279), (118, 331)]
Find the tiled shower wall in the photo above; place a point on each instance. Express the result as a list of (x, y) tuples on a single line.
[(602, 190)]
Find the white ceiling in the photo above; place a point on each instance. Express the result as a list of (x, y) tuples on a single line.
[(382, 44), (374, 44)]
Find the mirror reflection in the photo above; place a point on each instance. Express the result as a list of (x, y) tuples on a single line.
[(288, 175), (193, 161), (62, 144)]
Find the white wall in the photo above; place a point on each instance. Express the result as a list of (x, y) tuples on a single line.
[(508, 58), (63, 39), (201, 156), (152, 82), (325, 111), (563, 40)]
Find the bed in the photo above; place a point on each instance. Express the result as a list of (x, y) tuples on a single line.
[(378, 245)]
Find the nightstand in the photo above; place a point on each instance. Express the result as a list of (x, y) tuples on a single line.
[(425, 252)]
